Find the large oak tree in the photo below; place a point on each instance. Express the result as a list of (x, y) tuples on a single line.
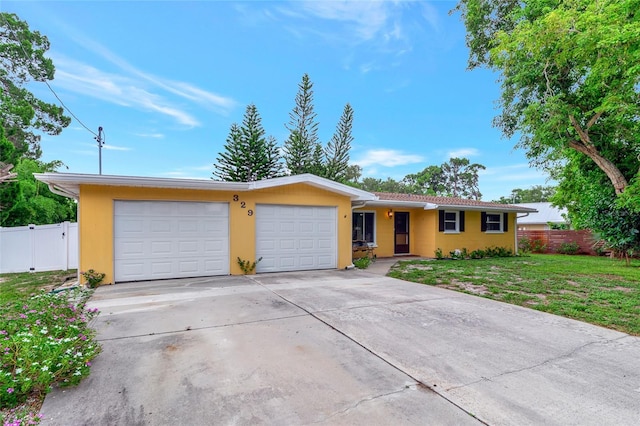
[(570, 77)]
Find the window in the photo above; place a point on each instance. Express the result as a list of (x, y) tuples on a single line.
[(495, 222), (451, 221), (363, 224)]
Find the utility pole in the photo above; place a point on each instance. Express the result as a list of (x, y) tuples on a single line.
[(100, 141)]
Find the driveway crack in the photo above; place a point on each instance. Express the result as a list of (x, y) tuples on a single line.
[(386, 361), (365, 400), (545, 362)]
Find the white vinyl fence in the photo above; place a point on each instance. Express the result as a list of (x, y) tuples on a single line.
[(39, 248)]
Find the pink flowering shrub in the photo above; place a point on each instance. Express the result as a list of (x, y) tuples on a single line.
[(44, 340)]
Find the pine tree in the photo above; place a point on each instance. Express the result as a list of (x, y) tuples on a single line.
[(337, 151), (248, 156), (301, 148)]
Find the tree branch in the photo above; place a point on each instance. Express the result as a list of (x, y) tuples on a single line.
[(593, 120)]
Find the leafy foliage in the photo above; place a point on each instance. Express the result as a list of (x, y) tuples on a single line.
[(535, 194), (248, 266), (28, 201), (302, 149), (23, 60), (456, 178), (362, 262), (570, 74), (248, 154), (45, 341), (570, 247)]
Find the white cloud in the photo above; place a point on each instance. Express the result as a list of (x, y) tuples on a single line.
[(120, 90), (464, 153), (366, 18), (387, 158), (150, 135), (116, 148)]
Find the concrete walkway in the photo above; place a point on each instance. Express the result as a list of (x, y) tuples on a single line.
[(343, 347)]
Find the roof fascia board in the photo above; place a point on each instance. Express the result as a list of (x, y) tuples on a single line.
[(431, 206), (313, 180), (70, 182)]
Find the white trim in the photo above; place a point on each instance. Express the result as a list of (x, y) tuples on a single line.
[(69, 183)]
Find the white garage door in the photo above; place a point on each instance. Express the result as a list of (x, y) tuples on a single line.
[(167, 239), (295, 238)]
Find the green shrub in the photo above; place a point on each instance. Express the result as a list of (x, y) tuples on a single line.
[(93, 278), (247, 266), (439, 254), (362, 263), (498, 252), (524, 245), (477, 254), (44, 340), (569, 248)]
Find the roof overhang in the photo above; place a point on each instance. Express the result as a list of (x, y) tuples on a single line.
[(68, 184), (450, 206)]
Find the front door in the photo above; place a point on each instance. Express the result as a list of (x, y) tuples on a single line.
[(401, 232)]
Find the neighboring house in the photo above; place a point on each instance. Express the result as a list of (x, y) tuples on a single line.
[(142, 228), (540, 221)]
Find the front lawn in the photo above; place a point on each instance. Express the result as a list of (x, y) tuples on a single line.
[(597, 290), (45, 341)]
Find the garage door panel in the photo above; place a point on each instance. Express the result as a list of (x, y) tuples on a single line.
[(325, 262), (299, 242), (129, 225), (188, 266), (307, 228), (306, 243), (162, 239), (161, 248)]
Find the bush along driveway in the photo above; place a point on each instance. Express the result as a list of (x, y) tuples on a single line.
[(597, 290), (45, 341)]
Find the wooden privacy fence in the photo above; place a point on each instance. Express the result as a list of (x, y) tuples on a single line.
[(554, 238), (39, 248)]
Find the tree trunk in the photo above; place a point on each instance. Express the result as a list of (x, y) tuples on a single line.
[(585, 146), (613, 173)]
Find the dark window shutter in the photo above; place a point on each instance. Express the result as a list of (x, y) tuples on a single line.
[(441, 220), (461, 221), (483, 221), (505, 222)]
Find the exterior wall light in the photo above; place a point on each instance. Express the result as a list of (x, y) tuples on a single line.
[(390, 214)]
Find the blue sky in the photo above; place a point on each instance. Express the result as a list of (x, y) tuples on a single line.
[(167, 79)]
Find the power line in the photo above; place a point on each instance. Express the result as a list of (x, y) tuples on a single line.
[(68, 110)]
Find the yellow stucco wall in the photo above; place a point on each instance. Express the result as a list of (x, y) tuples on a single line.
[(95, 218), (424, 237), (473, 238)]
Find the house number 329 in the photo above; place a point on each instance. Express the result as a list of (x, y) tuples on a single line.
[(243, 205)]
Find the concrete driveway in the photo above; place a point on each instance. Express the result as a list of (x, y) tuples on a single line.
[(342, 347)]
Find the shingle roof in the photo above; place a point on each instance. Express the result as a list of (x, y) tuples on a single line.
[(443, 201)]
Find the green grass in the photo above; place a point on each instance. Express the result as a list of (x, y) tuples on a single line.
[(45, 340), (15, 286), (597, 290)]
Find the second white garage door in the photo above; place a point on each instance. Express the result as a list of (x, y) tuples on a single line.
[(170, 239), (295, 238)]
